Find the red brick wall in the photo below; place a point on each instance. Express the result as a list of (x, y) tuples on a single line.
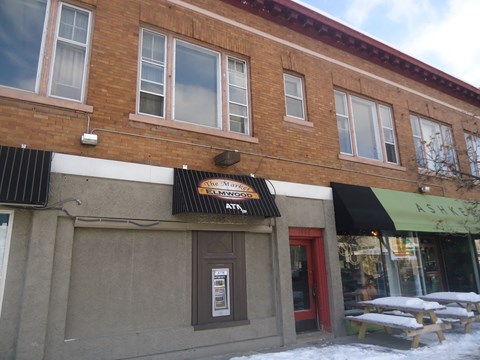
[(314, 151)]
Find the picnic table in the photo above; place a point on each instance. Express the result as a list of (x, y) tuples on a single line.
[(412, 315), (467, 308)]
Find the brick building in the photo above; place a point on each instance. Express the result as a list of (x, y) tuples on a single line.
[(186, 178)]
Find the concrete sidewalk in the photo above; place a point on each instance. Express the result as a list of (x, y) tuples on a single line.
[(321, 339)]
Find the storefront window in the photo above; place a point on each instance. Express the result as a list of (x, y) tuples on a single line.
[(5, 230), (376, 266), (477, 246), (362, 268), (404, 268), (406, 264)]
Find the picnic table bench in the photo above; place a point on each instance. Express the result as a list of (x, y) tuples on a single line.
[(467, 308), (423, 319)]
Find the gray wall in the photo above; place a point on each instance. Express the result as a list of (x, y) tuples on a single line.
[(81, 289)]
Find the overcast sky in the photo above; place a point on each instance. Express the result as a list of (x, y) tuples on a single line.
[(442, 33)]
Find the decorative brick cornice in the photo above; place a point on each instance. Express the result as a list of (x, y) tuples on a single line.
[(317, 26)]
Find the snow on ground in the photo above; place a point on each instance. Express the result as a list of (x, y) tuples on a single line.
[(456, 346)]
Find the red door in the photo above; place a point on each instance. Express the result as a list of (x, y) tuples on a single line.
[(309, 280), (303, 284)]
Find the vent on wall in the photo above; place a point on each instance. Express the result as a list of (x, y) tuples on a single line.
[(24, 176)]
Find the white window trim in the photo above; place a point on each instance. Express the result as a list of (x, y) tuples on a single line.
[(165, 67), (440, 125), (378, 126), (377, 135), (4, 268), (473, 145), (169, 119), (302, 98), (247, 104), (86, 64)]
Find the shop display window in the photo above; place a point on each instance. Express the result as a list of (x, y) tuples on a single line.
[(376, 266)]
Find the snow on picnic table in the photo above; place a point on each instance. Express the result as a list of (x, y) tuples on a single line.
[(457, 346), (404, 302), (453, 296)]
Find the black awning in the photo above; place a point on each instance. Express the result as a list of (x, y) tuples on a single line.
[(358, 210), (213, 193), (24, 176)]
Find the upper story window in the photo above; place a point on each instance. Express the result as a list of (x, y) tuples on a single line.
[(24, 25), (434, 146), (294, 100), (365, 128), (195, 93), (473, 152)]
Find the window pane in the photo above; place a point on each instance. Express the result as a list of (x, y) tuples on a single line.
[(152, 73), (341, 103), (238, 95), (151, 104), (294, 96), (344, 135), (73, 25), (386, 115), (153, 47), (366, 129), (151, 87), (391, 153), (415, 125), (238, 110), (473, 152), (21, 26), (238, 124), (294, 107), (197, 94), (388, 136), (419, 151), (68, 71), (293, 86)]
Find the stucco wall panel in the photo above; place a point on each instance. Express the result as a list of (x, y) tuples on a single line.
[(125, 281)]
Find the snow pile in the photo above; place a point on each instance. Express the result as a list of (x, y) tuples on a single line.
[(457, 346), (455, 312), (453, 296)]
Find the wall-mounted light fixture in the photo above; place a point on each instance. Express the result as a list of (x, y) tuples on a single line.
[(227, 158), (424, 189), (89, 139)]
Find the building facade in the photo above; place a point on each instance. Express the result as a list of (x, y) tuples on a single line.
[(181, 178)]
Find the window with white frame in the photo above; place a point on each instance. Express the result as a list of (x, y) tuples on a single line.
[(23, 47), (152, 74), (194, 94), (473, 152), (294, 100), (433, 145), (69, 66), (365, 128), (5, 234)]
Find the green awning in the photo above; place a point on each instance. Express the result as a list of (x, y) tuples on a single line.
[(361, 209), (428, 213)]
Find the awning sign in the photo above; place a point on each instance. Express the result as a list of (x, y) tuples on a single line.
[(213, 193), (363, 209), (227, 189)]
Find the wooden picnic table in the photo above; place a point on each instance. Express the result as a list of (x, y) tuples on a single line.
[(466, 311), (412, 315)]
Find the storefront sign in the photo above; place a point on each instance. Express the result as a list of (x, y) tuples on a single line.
[(402, 249), (360, 209), (227, 189), (212, 193)]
